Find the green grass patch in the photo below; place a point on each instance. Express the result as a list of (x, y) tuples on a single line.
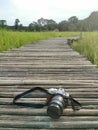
[(12, 39), (88, 46)]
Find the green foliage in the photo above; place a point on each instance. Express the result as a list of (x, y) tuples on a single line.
[(91, 23), (63, 26), (88, 46), (72, 24), (16, 23), (3, 24), (14, 39)]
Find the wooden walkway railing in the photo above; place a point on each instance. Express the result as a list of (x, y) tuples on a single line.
[(49, 64)]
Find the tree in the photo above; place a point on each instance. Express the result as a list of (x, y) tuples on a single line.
[(73, 19), (3, 23), (16, 23), (42, 21), (34, 26), (31, 27), (91, 23), (20, 27), (73, 23), (51, 25), (62, 26), (72, 27)]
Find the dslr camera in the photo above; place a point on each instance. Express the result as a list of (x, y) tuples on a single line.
[(56, 101)]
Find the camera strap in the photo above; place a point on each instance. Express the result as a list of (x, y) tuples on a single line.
[(25, 94), (75, 104)]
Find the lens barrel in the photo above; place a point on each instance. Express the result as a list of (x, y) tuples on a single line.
[(56, 106)]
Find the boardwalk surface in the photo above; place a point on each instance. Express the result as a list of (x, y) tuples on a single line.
[(49, 64)]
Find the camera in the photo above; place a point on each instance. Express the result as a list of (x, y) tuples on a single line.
[(56, 101)]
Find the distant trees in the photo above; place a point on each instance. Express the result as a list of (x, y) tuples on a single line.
[(91, 23), (51, 25), (16, 23), (3, 23), (31, 27), (43, 25), (63, 26), (42, 21), (72, 24), (34, 26)]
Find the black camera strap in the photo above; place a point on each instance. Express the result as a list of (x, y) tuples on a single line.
[(25, 94), (75, 104)]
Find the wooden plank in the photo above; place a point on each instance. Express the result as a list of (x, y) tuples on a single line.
[(31, 81), (27, 111), (84, 102), (75, 65), (11, 89), (46, 118), (51, 125), (15, 61)]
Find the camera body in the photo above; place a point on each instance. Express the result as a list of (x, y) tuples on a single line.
[(56, 102)]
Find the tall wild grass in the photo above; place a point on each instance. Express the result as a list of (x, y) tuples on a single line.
[(88, 46), (12, 39)]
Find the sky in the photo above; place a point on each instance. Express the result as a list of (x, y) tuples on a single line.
[(28, 11)]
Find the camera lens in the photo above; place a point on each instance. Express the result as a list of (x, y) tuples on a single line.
[(56, 106)]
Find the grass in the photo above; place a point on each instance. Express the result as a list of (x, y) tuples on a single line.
[(12, 39), (88, 46)]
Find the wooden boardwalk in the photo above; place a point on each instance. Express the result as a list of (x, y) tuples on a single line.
[(50, 64)]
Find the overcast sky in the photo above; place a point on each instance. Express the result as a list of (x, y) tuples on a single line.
[(28, 11)]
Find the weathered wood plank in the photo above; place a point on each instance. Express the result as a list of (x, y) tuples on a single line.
[(84, 102), (50, 66), (11, 89), (51, 125), (46, 118), (31, 81), (17, 110)]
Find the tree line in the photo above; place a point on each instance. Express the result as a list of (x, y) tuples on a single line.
[(72, 24)]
